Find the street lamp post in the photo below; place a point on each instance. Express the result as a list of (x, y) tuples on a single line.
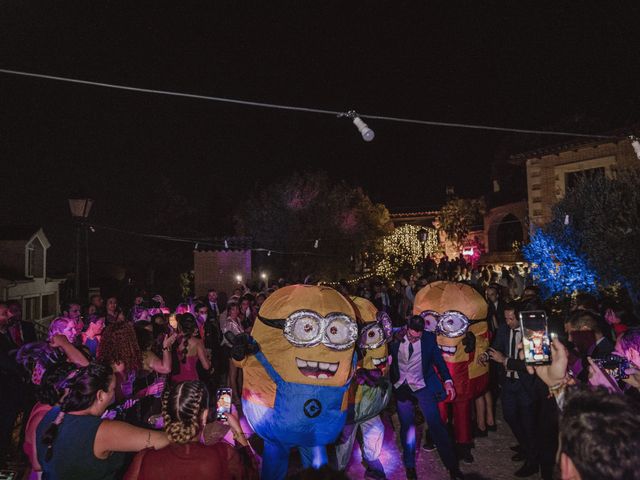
[(422, 238), (80, 206)]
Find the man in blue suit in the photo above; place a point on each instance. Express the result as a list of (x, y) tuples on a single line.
[(415, 380)]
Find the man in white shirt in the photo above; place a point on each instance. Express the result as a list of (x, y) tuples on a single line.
[(415, 359)]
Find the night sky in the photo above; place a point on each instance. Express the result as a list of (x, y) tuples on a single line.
[(528, 65)]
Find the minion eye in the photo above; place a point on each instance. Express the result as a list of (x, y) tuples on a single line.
[(341, 333), (303, 329), (430, 320), (375, 335), (453, 324)]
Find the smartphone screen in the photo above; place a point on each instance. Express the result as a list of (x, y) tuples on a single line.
[(223, 406), (535, 337)]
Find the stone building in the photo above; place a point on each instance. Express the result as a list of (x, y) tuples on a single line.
[(222, 268), (551, 170)]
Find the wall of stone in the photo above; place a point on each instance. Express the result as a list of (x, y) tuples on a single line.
[(546, 173), (218, 269)]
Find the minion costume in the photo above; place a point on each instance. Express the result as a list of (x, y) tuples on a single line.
[(457, 313), (370, 394), (295, 388)]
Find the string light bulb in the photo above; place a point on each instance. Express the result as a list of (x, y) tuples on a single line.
[(635, 143), (365, 131)]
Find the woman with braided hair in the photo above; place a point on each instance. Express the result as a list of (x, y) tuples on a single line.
[(74, 442), (189, 455), (190, 349)]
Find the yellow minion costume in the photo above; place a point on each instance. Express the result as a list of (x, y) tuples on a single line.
[(369, 395), (295, 388), (457, 313)]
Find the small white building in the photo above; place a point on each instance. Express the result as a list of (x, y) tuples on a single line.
[(23, 274)]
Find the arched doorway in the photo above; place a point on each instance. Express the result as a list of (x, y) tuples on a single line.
[(509, 230)]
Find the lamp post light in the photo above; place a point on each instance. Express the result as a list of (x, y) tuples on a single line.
[(80, 206), (422, 238)]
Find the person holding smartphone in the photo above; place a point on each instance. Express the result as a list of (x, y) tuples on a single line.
[(518, 394), (185, 409)]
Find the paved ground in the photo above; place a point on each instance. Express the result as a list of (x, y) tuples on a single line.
[(492, 457)]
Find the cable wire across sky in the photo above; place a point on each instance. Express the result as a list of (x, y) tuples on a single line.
[(348, 113)]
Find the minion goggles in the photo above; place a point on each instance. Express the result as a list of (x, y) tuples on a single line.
[(306, 328), (376, 334), (451, 323)]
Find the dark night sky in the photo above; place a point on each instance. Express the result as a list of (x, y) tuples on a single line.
[(528, 65)]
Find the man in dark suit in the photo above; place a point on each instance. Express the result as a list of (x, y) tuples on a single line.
[(518, 394), (495, 314), (20, 330), (381, 298), (585, 332), (415, 359)]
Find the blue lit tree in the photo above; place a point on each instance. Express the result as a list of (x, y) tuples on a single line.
[(593, 236), (557, 267)]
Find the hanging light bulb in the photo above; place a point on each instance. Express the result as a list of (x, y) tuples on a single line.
[(269, 253), (365, 131), (566, 219), (635, 143), (315, 244), (226, 244)]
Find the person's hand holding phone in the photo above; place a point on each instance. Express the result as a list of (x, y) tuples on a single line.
[(599, 378), (555, 373)]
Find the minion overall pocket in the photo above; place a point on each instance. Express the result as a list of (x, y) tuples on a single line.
[(303, 415)]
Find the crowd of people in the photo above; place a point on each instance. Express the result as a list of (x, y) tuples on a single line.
[(116, 392)]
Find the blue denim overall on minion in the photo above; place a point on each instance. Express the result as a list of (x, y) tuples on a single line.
[(304, 416)]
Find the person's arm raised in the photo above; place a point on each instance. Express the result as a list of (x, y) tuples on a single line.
[(163, 366), (74, 355), (115, 436)]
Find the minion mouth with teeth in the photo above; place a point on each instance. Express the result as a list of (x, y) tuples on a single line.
[(295, 389), (320, 370), (448, 350), (457, 314)]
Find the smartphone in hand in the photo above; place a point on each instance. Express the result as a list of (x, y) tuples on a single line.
[(535, 337), (223, 405)]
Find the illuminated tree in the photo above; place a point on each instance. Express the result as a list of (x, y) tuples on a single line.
[(321, 225), (557, 268), (403, 251), (458, 217), (600, 217)]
